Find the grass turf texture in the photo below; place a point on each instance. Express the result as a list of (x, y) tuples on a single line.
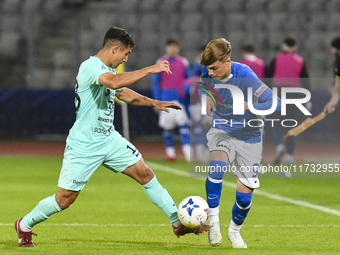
[(119, 219)]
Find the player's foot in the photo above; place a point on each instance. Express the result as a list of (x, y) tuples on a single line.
[(236, 240), (182, 230), (25, 238), (170, 159), (280, 150), (215, 237)]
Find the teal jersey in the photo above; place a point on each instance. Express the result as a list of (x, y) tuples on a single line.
[(94, 108)]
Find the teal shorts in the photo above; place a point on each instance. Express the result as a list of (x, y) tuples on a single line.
[(78, 167)]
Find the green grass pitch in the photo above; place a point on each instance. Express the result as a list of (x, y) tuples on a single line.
[(112, 215)]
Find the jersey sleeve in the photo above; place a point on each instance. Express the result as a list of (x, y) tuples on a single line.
[(260, 91), (90, 72)]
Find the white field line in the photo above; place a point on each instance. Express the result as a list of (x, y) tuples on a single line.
[(257, 192), (168, 225)]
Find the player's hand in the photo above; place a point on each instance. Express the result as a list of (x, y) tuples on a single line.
[(246, 108), (210, 106), (329, 107), (164, 106), (162, 66)]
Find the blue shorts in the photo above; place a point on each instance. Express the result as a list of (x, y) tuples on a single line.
[(78, 167)]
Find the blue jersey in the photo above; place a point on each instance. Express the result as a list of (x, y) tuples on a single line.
[(238, 125)]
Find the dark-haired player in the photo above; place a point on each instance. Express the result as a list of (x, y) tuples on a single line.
[(93, 140), (335, 94)]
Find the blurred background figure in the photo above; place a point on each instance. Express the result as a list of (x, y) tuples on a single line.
[(172, 88), (335, 92), (287, 69), (250, 59), (199, 124)]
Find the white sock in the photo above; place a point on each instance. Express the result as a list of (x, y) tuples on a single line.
[(234, 227), (176, 223), (170, 152), (186, 151), (214, 215), (23, 227)]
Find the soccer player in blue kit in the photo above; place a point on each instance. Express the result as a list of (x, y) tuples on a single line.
[(93, 140), (239, 144)]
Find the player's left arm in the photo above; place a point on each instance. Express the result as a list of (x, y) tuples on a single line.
[(261, 91), (131, 97)]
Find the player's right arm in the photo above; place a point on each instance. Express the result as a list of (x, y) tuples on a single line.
[(335, 97), (116, 81)]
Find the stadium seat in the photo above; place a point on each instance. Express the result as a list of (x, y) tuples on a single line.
[(316, 6), (255, 6), (191, 40), (62, 58), (9, 43), (62, 78), (212, 6), (319, 21), (278, 5), (129, 6), (297, 6), (52, 5), (191, 22), (149, 22), (190, 6), (333, 23), (147, 6), (236, 21), (10, 5), (31, 4), (170, 6), (277, 21), (334, 7), (42, 78), (233, 6)]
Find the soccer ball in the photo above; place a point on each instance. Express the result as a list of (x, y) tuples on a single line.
[(193, 212)]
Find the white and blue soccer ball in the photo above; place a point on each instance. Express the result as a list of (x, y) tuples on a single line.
[(193, 212)]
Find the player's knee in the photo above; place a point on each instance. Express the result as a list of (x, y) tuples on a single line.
[(145, 174), (64, 200), (243, 199)]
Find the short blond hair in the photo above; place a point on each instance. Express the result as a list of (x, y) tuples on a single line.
[(216, 50)]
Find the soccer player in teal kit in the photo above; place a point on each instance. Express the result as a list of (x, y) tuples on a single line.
[(93, 140)]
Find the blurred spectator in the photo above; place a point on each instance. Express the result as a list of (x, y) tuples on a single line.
[(335, 93), (287, 69), (250, 59), (172, 89)]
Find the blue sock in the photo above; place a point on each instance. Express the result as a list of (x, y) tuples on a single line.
[(169, 138), (213, 184), (241, 207), (184, 132), (161, 198), (42, 211)]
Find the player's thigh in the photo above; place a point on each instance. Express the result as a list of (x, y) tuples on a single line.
[(121, 154), (247, 163), (220, 145), (78, 167)]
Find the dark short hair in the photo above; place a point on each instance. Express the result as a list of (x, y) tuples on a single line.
[(116, 34), (290, 41), (172, 41), (249, 48), (336, 43)]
